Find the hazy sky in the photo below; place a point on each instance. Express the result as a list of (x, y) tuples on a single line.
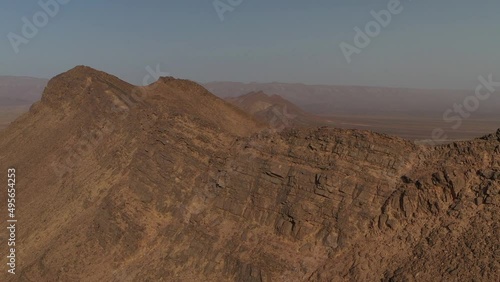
[(430, 44)]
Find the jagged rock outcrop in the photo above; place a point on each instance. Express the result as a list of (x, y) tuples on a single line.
[(167, 182)]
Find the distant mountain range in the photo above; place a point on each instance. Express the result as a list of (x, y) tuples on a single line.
[(381, 101), (408, 113), (20, 91), (314, 99), (277, 111)]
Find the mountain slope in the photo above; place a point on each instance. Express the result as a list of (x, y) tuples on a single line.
[(124, 183)]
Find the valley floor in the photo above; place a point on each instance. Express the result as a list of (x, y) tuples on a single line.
[(417, 128)]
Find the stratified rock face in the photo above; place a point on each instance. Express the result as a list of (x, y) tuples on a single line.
[(120, 183)]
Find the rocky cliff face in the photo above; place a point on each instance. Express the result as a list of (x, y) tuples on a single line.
[(167, 182)]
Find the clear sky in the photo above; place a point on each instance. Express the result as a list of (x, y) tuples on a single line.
[(430, 44)]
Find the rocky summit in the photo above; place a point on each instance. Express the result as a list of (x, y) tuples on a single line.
[(169, 183)]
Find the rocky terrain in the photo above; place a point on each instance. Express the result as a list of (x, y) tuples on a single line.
[(169, 183)]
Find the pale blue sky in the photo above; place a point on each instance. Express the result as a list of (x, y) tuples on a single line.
[(431, 44)]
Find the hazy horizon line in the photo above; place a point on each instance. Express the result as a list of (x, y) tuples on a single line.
[(269, 82)]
